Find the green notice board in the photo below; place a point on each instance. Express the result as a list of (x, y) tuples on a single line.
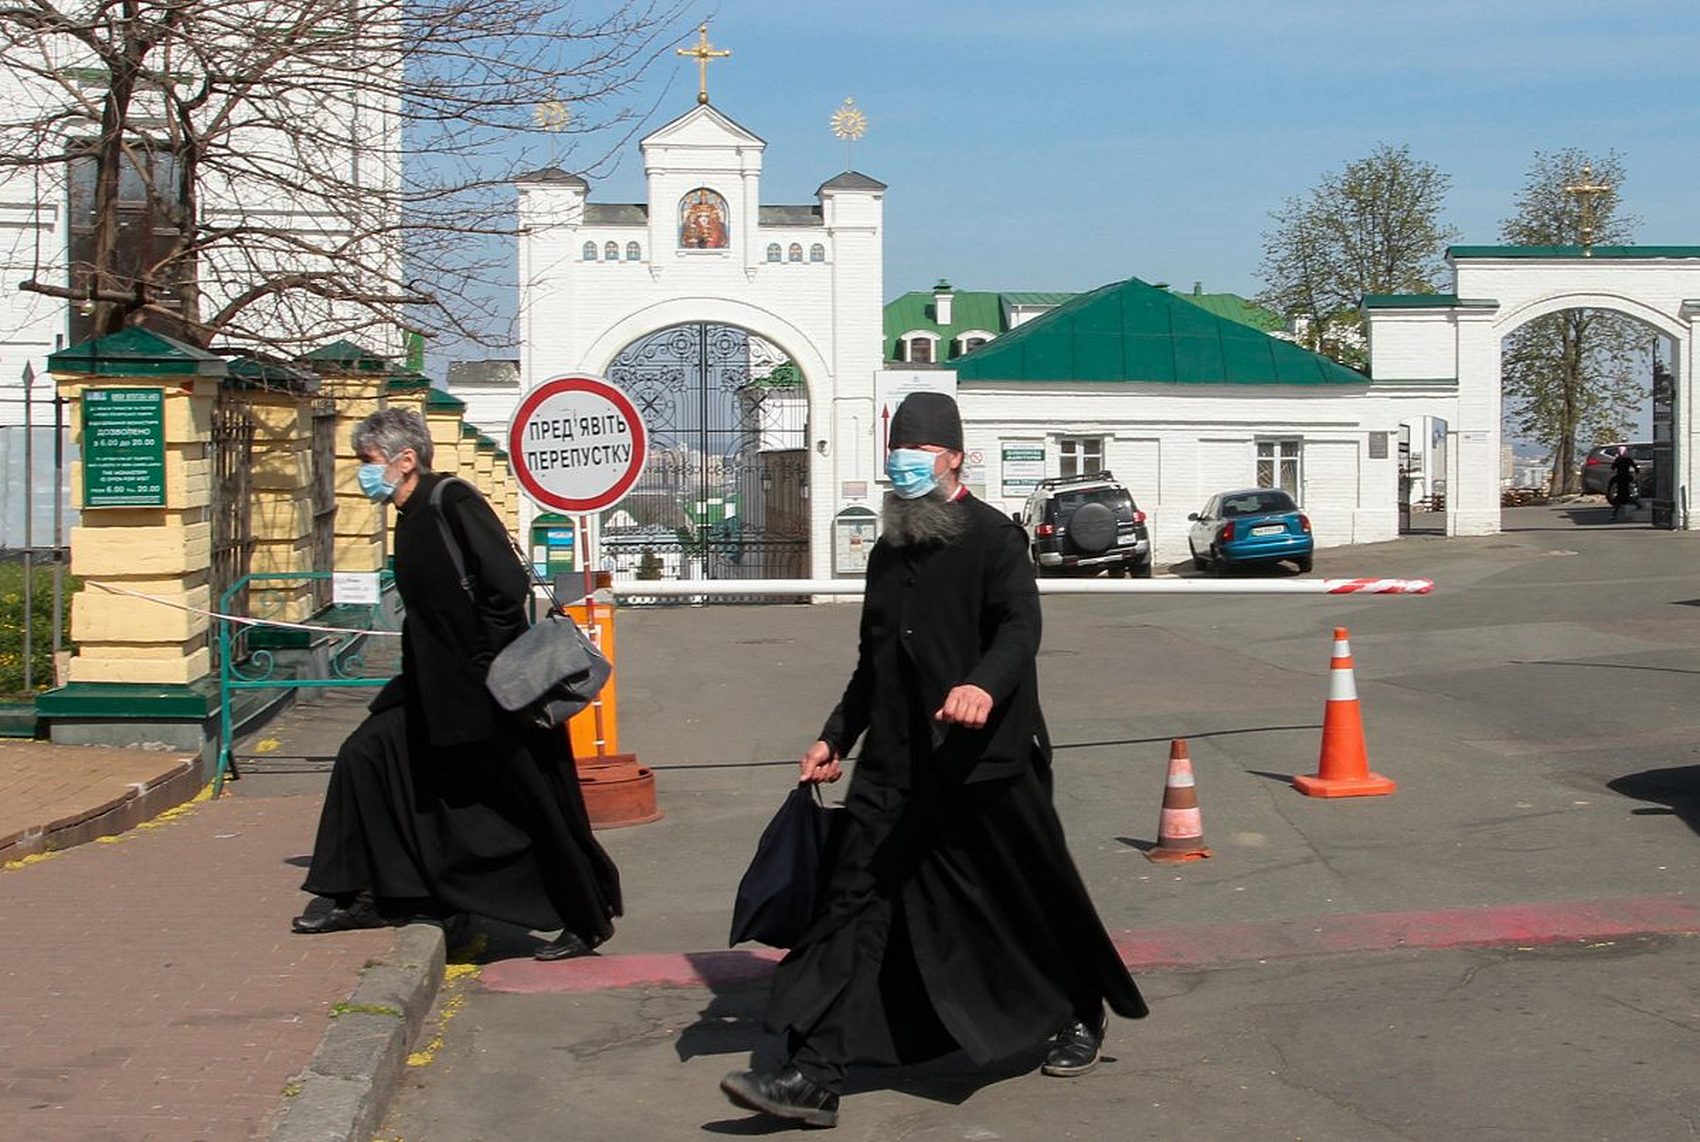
[(123, 448)]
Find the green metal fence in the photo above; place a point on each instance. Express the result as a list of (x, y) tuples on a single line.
[(257, 653)]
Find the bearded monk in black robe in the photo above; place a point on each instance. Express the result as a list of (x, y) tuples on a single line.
[(440, 802), (953, 916)]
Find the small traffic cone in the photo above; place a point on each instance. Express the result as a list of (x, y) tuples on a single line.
[(1180, 827), (1343, 770)]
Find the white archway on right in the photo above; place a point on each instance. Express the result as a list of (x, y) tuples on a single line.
[(1450, 345)]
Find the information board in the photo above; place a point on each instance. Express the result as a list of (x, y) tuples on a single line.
[(123, 448), (1023, 467)]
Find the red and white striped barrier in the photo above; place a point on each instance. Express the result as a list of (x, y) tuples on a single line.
[(733, 588)]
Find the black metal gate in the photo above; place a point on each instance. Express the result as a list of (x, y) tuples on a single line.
[(725, 494), (232, 531)]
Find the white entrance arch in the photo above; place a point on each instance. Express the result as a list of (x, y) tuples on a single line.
[(1451, 343), (703, 248)]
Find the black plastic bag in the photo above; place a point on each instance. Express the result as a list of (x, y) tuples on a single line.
[(776, 897)]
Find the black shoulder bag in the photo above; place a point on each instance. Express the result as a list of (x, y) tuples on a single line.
[(552, 670)]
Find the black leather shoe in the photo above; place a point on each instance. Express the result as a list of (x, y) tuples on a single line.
[(1075, 1050), (789, 1095), (567, 946), (326, 915)]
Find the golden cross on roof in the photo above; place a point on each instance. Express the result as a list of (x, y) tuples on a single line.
[(702, 53), (1586, 191)]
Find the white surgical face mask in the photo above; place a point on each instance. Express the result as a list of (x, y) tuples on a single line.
[(911, 472), (373, 479)]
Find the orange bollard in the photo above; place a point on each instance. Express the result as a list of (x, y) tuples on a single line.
[(1343, 769), (1180, 827), (617, 790)]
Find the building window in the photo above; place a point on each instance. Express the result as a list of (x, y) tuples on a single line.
[(774, 254), (634, 252), (1278, 465), (590, 251), (817, 253), (920, 350), (1080, 455), (795, 254), (146, 255), (611, 252), (969, 344)]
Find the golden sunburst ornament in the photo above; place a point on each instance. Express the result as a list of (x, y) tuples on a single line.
[(552, 115), (848, 122)]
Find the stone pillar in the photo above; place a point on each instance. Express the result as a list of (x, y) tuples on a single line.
[(281, 488), (443, 416), (141, 614), (357, 380), (1472, 460)]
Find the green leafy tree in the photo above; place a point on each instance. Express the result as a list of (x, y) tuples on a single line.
[(1372, 227), (1572, 379)]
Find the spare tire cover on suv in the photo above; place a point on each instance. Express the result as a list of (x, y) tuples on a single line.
[(1092, 529)]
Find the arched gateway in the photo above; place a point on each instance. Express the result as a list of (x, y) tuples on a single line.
[(748, 371), (1451, 344)]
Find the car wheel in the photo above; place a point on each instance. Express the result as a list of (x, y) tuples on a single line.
[(1216, 563), (1140, 570), (1304, 562), (1118, 571)]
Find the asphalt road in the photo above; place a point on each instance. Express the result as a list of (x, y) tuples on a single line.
[(1536, 711)]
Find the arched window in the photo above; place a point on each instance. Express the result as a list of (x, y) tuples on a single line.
[(703, 224), (611, 252), (921, 350), (972, 344), (634, 252), (796, 252), (773, 254), (590, 251), (817, 253)]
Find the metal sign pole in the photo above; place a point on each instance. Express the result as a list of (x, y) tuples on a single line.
[(29, 526)]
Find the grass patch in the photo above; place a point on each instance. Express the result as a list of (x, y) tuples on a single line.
[(41, 620)]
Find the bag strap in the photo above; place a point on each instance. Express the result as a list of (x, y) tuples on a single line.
[(457, 557)]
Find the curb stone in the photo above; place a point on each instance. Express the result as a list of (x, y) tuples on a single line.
[(346, 1088)]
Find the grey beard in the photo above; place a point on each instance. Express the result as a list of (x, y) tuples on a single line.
[(931, 518)]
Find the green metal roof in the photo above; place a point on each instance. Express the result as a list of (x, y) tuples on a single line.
[(1131, 332), (439, 399), (1456, 252), (1423, 301), (1233, 307), (348, 354), (137, 352), (1037, 297), (915, 310)]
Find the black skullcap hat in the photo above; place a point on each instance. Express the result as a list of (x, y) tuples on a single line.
[(926, 418)]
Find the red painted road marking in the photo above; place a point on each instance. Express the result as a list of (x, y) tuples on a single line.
[(1184, 945)]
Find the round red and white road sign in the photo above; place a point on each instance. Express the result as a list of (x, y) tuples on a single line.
[(577, 444)]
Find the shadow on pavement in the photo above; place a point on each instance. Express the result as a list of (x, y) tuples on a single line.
[(1676, 788), (1600, 665)]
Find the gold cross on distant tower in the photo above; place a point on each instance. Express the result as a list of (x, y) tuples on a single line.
[(702, 53), (1586, 191)]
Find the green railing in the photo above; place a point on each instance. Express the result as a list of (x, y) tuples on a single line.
[(246, 663)]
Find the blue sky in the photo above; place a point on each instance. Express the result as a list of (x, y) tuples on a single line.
[(1061, 144)]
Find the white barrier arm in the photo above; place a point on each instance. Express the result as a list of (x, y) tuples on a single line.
[(724, 588)]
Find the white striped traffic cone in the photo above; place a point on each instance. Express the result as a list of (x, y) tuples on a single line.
[(1343, 769), (1180, 828)]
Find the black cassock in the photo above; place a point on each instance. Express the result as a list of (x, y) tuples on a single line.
[(954, 915), (439, 794)]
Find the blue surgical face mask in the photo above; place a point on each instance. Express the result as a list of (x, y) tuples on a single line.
[(911, 472), (372, 482)]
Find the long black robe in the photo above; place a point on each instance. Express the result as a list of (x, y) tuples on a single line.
[(953, 916), (439, 795)]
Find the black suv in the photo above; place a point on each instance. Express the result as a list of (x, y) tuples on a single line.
[(1086, 523)]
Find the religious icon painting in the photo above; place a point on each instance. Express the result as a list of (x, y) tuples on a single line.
[(702, 221)]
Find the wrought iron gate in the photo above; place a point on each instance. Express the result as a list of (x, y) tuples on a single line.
[(232, 457), (725, 494)]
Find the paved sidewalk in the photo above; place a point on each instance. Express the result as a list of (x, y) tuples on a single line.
[(150, 987), (53, 797)]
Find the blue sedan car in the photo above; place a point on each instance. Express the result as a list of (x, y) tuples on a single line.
[(1256, 525)]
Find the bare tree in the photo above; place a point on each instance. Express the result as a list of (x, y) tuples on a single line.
[(1372, 227), (1574, 375), (280, 173)]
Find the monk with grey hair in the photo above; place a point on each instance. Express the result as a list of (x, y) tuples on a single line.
[(440, 802)]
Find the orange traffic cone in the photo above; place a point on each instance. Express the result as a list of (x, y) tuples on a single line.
[(1343, 770), (1180, 827)]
